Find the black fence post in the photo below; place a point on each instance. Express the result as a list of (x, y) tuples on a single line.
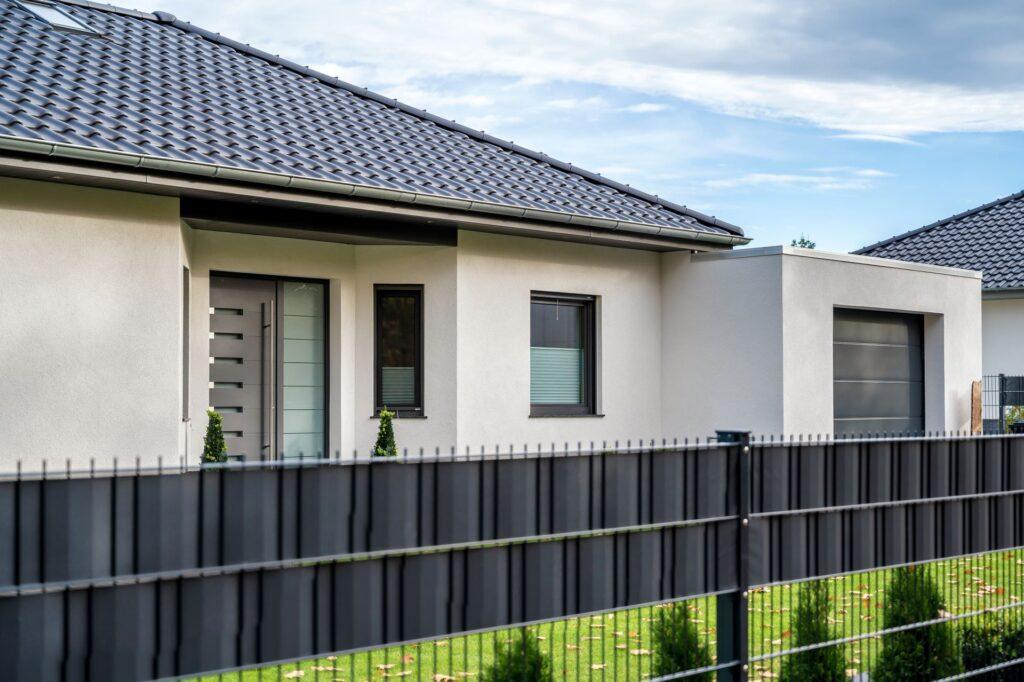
[(1002, 403), (732, 607)]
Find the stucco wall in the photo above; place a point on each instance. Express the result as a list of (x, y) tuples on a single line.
[(90, 314), (722, 350), (495, 277), (811, 285), (435, 268), (1003, 336)]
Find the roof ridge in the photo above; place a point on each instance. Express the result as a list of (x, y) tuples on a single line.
[(939, 223), (171, 20)]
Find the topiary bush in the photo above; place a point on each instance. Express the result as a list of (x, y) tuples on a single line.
[(517, 660), (810, 626), (677, 644), (215, 449), (385, 445), (924, 653)]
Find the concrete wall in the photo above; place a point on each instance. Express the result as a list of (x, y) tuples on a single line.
[(1003, 336), (495, 277), (90, 320), (812, 285)]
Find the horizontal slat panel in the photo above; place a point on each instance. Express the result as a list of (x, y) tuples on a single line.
[(556, 376)]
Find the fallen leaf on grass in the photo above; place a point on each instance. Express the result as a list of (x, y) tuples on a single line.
[(408, 658), (385, 666), (294, 673), (443, 678), (640, 652), (598, 666)]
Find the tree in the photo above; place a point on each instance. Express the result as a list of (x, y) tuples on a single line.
[(677, 644), (810, 626), (215, 449), (923, 653), (385, 445), (517, 659), (803, 242)]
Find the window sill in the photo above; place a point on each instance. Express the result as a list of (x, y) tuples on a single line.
[(565, 416), (402, 415)]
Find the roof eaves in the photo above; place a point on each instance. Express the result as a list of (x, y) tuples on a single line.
[(89, 154), (938, 223), (171, 20)]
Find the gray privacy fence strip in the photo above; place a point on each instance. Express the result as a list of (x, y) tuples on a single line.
[(75, 528), (233, 566), (145, 629)]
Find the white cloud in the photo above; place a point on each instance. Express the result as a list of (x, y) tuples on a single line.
[(819, 179), (867, 77), (645, 108)]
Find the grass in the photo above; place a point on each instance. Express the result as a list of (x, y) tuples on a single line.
[(618, 645)]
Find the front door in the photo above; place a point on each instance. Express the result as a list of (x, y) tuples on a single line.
[(267, 366)]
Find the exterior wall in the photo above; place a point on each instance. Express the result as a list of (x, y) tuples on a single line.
[(90, 335), (813, 284), (495, 277), (91, 338), (722, 356), (1003, 336), (257, 255), (435, 268)]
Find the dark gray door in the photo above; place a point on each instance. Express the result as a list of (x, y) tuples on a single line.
[(878, 372), (242, 357)]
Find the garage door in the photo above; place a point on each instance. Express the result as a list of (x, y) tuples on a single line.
[(878, 372)]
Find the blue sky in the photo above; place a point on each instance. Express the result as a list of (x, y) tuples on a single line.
[(847, 122)]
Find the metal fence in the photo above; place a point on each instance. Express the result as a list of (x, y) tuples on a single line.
[(1000, 393), (138, 574)]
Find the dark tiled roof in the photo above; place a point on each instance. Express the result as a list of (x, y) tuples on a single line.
[(154, 86), (989, 238)]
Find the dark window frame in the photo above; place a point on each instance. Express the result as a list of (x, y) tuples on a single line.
[(186, 308), (588, 315), (381, 291)]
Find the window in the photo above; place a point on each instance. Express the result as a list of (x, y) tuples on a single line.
[(56, 17), (562, 340), (399, 349)]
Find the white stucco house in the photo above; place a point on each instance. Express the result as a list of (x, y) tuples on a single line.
[(187, 222)]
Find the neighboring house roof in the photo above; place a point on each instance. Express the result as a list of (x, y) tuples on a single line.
[(158, 88), (989, 238)]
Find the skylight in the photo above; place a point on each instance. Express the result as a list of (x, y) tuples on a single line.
[(55, 17)]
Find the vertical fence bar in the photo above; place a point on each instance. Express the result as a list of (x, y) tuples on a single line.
[(733, 634)]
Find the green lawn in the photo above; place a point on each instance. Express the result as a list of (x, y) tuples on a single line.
[(618, 645)]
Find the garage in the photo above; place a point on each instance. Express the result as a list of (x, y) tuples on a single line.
[(878, 372)]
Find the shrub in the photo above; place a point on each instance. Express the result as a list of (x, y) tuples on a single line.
[(985, 644), (518, 659), (677, 644), (215, 449), (385, 445), (924, 653), (980, 646), (810, 626), (1014, 415)]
